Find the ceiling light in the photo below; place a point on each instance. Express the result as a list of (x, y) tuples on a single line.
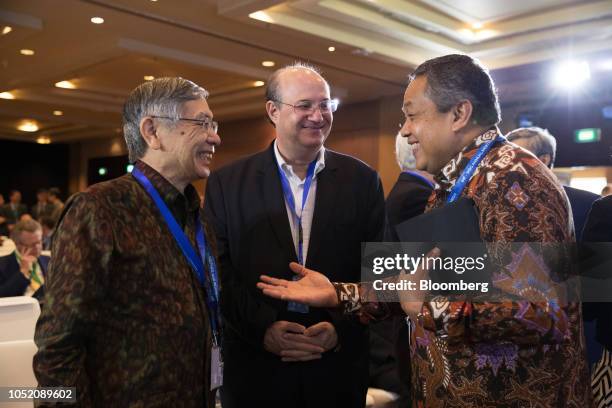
[(43, 140), (149, 77), (6, 95), (28, 126), (268, 63), (26, 51), (102, 171), (97, 20), (570, 74), (6, 30), (65, 85), (477, 26), (58, 113), (261, 16), (331, 49), (259, 83)]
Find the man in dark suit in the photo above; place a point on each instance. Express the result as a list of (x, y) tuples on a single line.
[(14, 209), (23, 272), (295, 201), (544, 146)]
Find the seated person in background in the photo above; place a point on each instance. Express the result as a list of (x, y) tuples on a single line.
[(57, 205), (3, 224), (25, 217), (43, 207), (22, 273), (544, 146), (13, 210), (48, 228)]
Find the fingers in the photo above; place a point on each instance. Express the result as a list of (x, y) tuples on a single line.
[(298, 269), (303, 343), (297, 355), (434, 253), (316, 329), (274, 281), (292, 327)]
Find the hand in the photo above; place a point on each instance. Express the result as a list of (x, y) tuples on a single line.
[(412, 301), (313, 288), (27, 261), (287, 340), (324, 333)]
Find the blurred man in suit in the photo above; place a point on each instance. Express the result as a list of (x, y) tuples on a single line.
[(544, 146), (23, 272), (14, 209), (295, 201)]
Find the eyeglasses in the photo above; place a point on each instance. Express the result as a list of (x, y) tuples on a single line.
[(308, 107), (206, 124)]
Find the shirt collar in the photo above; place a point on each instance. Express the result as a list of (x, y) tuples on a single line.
[(173, 198), (287, 168), (449, 174)]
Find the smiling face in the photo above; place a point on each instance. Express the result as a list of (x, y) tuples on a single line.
[(429, 131), (296, 131), (187, 147)]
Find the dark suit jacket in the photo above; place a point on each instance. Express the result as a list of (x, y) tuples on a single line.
[(12, 216), (598, 228), (12, 281), (245, 205), (407, 199), (581, 202)]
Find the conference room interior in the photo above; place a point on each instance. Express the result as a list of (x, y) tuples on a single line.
[(66, 67)]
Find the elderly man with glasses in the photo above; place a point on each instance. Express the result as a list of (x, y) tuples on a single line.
[(295, 201), (132, 294), (22, 273)]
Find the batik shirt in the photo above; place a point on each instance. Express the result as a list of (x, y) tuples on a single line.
[(125, 320), (506, 353)]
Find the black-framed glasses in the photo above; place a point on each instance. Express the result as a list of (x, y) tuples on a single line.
[(206, 124), (309, 107)]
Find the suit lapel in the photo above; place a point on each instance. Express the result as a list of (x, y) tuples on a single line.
[(274, 203), (327, 190)]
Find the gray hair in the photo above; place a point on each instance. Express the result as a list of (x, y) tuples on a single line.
[(159, 97), (31, 226), (456, 77), (539, 141), (403, 153)]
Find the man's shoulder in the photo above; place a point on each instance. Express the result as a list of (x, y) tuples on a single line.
[(107, 193), (244, 163), (347, 162), (7, 260), (581, 195)]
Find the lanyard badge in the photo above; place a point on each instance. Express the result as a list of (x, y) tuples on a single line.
[(294, 306)]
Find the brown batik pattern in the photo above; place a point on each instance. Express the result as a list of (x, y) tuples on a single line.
[(500, 353), (125, 320)]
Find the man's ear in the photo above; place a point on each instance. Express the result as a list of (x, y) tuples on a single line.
[(148, 131), (462, 114), (272, 111), (546, 159)]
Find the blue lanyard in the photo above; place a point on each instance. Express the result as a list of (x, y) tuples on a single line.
[(289, 197), (210, 282), (469, 170), (420, 176)]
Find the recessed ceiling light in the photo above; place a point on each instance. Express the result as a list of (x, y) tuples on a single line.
[(331, 49), (97, 20), (6, 95), (43, 140), (268, 63), (65, 85), (26, 51), (58, 113), (149, 77), (28, 126), (477, 26), (6, 29), (259, 83)]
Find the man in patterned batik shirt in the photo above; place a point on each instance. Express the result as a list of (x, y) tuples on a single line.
[(126, 319), (489, 353)]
